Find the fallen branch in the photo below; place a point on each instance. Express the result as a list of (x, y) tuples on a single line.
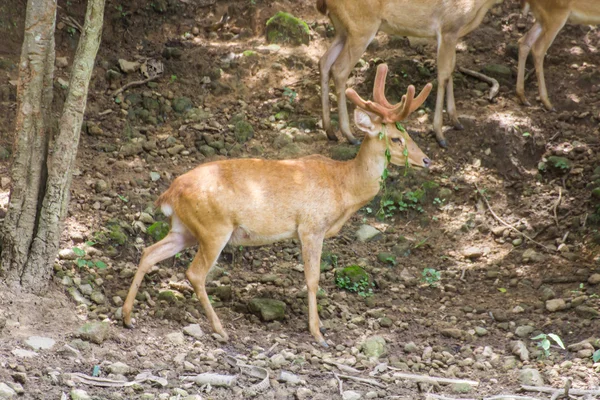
[(134, 83), (495, 85), (546, 389), (510, 397), (362, 380), (342, 367), (441, 397), (509, 225), (340, 383), (432, 379)]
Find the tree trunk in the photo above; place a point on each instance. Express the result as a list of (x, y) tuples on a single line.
[(28, 172), (31, 269)]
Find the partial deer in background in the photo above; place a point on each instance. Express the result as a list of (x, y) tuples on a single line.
[(356, 23), (252, 202), (551, 16)]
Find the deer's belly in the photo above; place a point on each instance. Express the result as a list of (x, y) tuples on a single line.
[(245, 237)]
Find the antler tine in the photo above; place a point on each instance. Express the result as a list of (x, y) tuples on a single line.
[(420, 99), (402, 110), (366, 105), (379, 86)]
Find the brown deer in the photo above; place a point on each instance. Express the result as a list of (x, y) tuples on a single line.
[(356, 23), (253, 202), (550, 16)]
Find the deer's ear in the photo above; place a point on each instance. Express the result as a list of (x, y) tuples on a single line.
[(367, 122)]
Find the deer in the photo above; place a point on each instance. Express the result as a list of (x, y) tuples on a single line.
[(254, 202), (356, 23), (550, 16)]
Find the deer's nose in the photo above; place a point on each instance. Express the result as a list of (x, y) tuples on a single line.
[(426, 162)]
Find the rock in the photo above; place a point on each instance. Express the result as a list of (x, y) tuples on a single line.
[(530, 377), (472, 252), (454, 333), (6, 392), (207, 151), (22, 353), (243, 131), (132, 148), (533, 256), (524, 331), (304, 394), (95, 332), (519, 349), (181, 104), (77, 296), (86, 289), (367, 233), (587, 312), (351, 395), (556, 305), (411, 347), (374, 347), (194, 331), (129, 67), (267, 309), (594, 279), (40, 342), (67, 254), (278, 361), (176, 338), (119, 368), (79, 394), (558, 163), (344, 152), (461, 387), (498, 71), (509, 363), (285, 28), (97, 297), (481, 331)]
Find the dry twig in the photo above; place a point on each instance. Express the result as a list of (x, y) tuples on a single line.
[(362, 380), (495, 85), (432, 379), (134, 83), (546, 389), (556, 205), (509, 225)]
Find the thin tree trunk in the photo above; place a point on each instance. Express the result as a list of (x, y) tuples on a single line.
[(63, 152), (41, 177), (34, 95)]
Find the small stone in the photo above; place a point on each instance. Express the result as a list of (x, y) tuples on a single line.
[(304, 394), (98, 297), (119, 368), (351, 395), (531, 377), (129, 67), (519, 349), (6, 392), (367, 233), (194, 331), (524, 331), (278, 360), (411, 347), (176, 338), (22, 353), (79, 394), (594, 279), (556, 305), (587, 312), (462, 387), (374, 347), (480, 331), (454, 333), (472, 252), (95, 332), (39, 342), (267, 309), (67, 254)]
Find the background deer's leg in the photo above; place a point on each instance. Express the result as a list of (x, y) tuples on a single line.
[(325, 64), (525, 44), (446, 54), (552, 27)]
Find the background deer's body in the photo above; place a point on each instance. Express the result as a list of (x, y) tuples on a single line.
[(255, 202), (357, 22), (551, 16)]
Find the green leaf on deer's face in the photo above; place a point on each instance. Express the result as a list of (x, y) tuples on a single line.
[(400, 127)]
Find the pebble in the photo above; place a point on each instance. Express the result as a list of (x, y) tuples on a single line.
[(40, 342), (193, 330), (6, 392), (119, 368), (556, 305), (176, 338), (367, 233), (351, 395), (531, 377), (594, 279)]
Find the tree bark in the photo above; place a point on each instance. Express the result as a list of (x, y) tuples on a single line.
[(34, 100), (31, 266)]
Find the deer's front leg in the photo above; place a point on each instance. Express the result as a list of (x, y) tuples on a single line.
[(312, 246)]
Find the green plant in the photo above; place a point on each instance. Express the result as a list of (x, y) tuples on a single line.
[(596, 356), (173, 78), (81, 262), (158, 230), (543, 342), (290, 94), (123, 198), (431, 276), (438, 202), (71, 31), (363, 288)]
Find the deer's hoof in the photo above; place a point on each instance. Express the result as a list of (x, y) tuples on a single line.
[(323, 330), (324, 344), (443, 143), (128, 324)]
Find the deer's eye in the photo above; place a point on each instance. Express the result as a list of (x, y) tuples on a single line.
[(396, 140)]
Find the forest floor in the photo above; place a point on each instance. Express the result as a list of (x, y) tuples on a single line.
[(496, 289)]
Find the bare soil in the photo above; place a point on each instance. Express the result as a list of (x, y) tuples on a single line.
[(503, 151)]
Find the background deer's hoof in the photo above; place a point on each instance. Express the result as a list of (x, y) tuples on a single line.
[(322, 329), (443, 143), (324, 344), (128, 325)]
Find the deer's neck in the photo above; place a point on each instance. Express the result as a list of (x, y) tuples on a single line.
[(366, 170)]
